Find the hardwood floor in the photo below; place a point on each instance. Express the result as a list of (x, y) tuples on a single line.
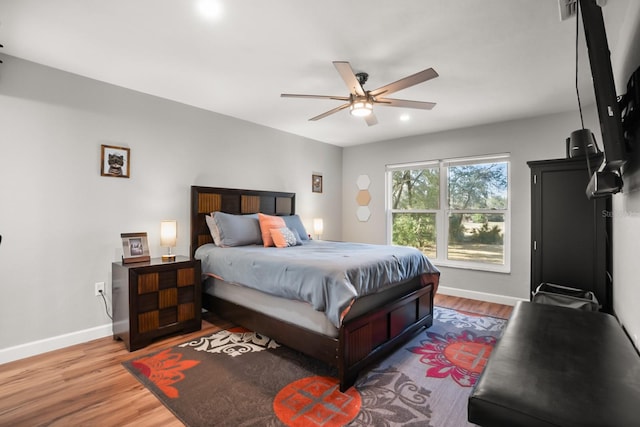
[(86, 385), (473, 306)]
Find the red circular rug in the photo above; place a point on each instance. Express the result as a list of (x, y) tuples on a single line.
[(316, 401)]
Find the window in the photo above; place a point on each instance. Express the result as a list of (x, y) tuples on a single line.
[(455, 211)]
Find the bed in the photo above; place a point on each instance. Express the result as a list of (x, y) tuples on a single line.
[(348, 333)]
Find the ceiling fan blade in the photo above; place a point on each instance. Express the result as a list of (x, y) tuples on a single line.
[(391, 102), (349, 77), (292, 95), (328, 113), (409, 81), (371, 119)]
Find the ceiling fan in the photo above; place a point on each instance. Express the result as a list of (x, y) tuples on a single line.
[(361, 101)]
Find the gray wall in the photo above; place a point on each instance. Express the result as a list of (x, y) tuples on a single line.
[(61, 221), (532, 139), (625, 58)]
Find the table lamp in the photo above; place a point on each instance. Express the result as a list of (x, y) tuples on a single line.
[(318, 227), (168, 237)]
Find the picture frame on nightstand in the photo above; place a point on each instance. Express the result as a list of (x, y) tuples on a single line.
[(135, 248)]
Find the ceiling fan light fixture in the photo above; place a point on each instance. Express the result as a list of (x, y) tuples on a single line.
[(360, 102), (361, 108)]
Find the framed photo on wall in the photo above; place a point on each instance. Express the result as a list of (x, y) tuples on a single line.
[(316, 183), (135, 248), (114, 161)]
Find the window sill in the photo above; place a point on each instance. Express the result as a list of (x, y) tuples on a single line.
[(490, 268)]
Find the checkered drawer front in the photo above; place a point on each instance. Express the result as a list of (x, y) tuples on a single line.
[(165, 298)]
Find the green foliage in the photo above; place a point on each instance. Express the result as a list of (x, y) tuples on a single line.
[(416, 189), (486, 235), (459, 234), (456, 231), (487, 217), (479, 186), (413, 229), (470, 187)]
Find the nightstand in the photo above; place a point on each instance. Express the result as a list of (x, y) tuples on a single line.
[(154, 299)]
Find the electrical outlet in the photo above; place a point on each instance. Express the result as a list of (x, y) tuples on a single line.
[(99, 288)]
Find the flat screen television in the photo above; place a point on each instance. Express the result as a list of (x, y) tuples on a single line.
[(604, 86)]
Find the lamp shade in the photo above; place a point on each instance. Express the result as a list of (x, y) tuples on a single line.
[(318, 226), (168, 233)]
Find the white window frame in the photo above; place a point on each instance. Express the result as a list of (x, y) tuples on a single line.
[(442, 214)]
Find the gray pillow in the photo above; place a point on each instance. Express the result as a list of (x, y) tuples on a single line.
[(296, 235), (237, 230), (213, 228), (295, 223)]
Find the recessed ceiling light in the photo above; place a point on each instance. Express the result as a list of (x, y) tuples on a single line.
[(210, 9), (405, 117)]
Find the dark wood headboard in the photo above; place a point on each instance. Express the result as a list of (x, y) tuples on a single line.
[(205, 200)]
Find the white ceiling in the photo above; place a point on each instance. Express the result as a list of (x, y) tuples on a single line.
[(497, 59)]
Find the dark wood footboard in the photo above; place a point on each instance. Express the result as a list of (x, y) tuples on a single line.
[(374, 335), (361, 341)]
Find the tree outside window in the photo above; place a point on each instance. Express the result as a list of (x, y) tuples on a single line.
[(415, 200), (454, 211)]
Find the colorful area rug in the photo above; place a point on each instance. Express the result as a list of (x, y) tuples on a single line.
[(239, 378)]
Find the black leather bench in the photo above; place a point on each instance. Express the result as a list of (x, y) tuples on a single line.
[(558, 366)]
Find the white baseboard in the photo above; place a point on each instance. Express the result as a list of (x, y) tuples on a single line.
[(481, 296), (54, 343)]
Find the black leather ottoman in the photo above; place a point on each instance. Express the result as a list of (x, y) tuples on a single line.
[(557, 366)]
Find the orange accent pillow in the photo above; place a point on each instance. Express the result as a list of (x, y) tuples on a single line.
[(267, 222)]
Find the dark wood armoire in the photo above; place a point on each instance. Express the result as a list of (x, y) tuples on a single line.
[(570, 234)]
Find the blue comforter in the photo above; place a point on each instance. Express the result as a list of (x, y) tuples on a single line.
[(327, 275)]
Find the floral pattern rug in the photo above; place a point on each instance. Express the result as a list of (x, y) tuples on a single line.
[(237, 377)]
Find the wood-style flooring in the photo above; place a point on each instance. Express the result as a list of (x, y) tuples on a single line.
[(86, 385)]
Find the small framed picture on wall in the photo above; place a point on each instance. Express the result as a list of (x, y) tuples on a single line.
[(316, 183), (135, 248), (114, 161)]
